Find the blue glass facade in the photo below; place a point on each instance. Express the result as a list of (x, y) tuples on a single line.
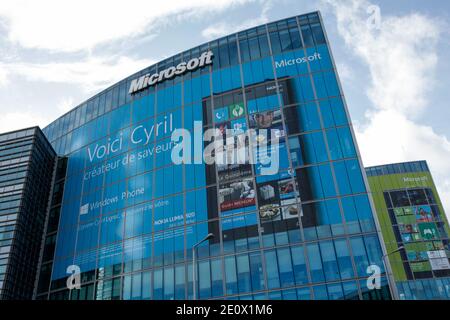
[(129, 216)]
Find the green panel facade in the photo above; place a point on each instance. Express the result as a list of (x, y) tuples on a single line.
[(411, 216)]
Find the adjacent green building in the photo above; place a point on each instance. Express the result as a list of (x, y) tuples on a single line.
[(414, 228)]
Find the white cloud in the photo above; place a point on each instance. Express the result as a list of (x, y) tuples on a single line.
[(401, 58), (223, 28), (9, 120), (215, 31), (92, 73), (3, 76), (65, 104), (345, 71), (82, 24), (391, 137)]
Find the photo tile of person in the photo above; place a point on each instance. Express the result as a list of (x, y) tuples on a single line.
[(423, 214), (236, 195)]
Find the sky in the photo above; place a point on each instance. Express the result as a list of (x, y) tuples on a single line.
[(391, 56)]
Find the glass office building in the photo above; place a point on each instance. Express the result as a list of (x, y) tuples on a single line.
[(26, 173), (129, 216), (413, 219)]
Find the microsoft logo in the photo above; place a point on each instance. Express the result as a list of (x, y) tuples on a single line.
[(148, 80), (84, 209)]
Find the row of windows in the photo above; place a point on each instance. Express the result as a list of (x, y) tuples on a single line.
[(13, 176), (10, 184), (110, 290), (6, 228), (239, 238), (425, 289), (15, 144), (9, 204), (9, 198), (17, 135), (325, 261), (8, 215), (12, 170), (5, 164), (13, 158), (9, 193), (406, 167), (16, 150), (409, 197)]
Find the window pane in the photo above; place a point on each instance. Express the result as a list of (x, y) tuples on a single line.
[(256, 271), (330, 264), (307, 36), (243, 268), (204, 280), (275, 42), (273, 280), (216, 283), (318, 33), (230, 275), (285, 40), (285, 263), (315, 263), (344, 260)]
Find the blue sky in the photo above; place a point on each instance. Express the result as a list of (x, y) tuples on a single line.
[(395, 74)]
